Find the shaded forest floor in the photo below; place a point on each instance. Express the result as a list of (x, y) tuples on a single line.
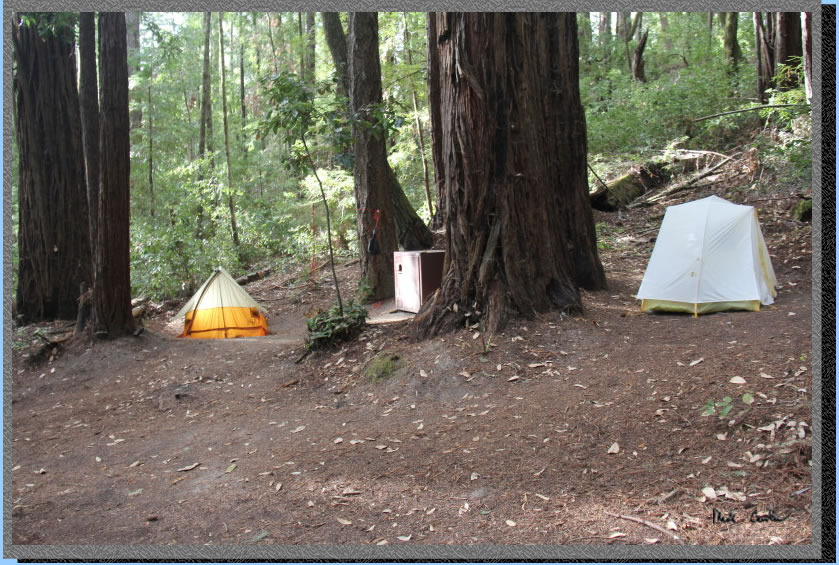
[(158, 440)]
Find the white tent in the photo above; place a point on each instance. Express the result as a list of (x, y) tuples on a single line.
[(709, 256)]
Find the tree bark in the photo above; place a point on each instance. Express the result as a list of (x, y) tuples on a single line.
[(412, 233), (433, 73), (520, 234), (89, 105), (205, 89), (112, 293), (242, 104), (788, 47), (54, 234), (373, 177), (309, 57), (665, 31), (638, 59), (733, 54), (271, 41), (230, 205), (765, 53), (337, 43), (132, 27)]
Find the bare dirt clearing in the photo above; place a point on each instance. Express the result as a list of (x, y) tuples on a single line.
[(564, 424)]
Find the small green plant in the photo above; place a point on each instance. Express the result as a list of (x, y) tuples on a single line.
[(724, 406), (364, 293), (328, 327)]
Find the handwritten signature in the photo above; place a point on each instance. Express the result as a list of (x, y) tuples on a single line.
[(717, 517)]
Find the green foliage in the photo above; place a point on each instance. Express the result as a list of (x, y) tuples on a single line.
[(52, 24), (722, 408), (327, 328)]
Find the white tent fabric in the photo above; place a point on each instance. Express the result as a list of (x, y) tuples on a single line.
[(710, 255), (218, 291)]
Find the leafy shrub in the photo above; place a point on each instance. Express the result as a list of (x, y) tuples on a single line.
[(326, 328)]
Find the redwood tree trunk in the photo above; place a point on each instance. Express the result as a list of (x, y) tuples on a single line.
[(373, 176), (89, 104), (54, 236), (132, 27), (411, 231), (765, 53), (433, 71), (234, 228), (733, 54), (337, 43), (112, 294), (788, 46), (638, 59), (309, 56), (520, 235)]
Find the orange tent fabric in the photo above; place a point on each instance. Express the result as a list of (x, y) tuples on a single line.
[(222, 309)]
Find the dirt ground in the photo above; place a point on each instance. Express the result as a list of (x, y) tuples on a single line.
[(570, 430)]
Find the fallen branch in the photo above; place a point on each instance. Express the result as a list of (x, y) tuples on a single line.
[(648, 524), (748, 110), (683, 185)]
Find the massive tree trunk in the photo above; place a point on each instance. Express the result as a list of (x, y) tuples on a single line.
[(89, 105), (234, 228), (412, 233), (372, 173), (520, 235), (54, 235), (112, 293), (733, 54), (788, 47), (337, 43)]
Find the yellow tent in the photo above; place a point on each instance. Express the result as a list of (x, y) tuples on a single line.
[(220, 309)]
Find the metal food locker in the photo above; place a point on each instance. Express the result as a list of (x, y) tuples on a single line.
[(416, 275)]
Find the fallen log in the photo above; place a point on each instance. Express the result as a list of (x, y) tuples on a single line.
[(620, 192), (688, 183), (255, 276)]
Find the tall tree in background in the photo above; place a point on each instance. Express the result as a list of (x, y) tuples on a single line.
[(788, 47), (764, 52), (337, 42), (230, 204), (417, 124), (54, 237), (433, 74), (731, 47), (132, 29), (412, 233), (372, 172), (309, 55), (112, 291), (520, 236)]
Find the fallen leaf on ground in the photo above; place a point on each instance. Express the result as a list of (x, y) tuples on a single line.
[(510, 523), (671, 525), (189, 467), (615, 448), (765, 376), (338, 440), (709, 492), (298, 429), (617, 535), (650, 540), (404, 538), (737, 381), (343, 521), (231, 468), (696, 362), (135, 492)]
